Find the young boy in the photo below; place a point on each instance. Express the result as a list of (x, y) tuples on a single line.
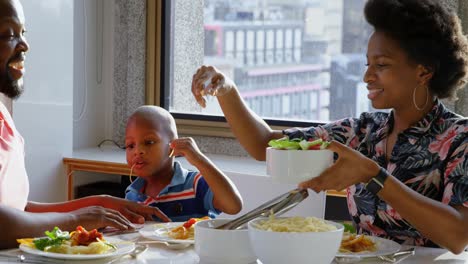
[(151, 144)]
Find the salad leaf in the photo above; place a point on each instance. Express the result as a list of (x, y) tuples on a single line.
[(349, 228), (298, 143), (285, 143), (53, 238)]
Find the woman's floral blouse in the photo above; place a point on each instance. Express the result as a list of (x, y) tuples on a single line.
[(430, 158)]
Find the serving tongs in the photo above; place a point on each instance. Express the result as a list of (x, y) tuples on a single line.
[(277, 206)]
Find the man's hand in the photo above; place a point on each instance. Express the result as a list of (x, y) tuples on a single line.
[(350, 168), (209, 81), (96, 217), (135, 212)]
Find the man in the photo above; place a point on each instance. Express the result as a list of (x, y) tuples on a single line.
[(22, 218)]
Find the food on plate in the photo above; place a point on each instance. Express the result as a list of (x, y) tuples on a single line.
[(295, 224), (354, 243), (186, 230), (298, 144), (79, 241)]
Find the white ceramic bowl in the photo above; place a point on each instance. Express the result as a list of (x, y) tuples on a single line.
[(215, 246), (295, 166), (289, 247)]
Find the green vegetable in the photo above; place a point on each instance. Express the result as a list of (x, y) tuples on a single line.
[(298, 143), (349, 228), (110, 245), (54, 238), (285, 143)]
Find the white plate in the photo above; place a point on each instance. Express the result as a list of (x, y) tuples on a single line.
[(159, 232), (122, 248), (384, 247)]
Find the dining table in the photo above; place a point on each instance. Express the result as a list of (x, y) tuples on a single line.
[(160, 254)]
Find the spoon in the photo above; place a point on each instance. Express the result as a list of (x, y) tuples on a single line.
[(393, 257), (170, 245), (139, 249)]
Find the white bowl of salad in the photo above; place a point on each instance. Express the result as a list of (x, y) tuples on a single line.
[(297, 160)]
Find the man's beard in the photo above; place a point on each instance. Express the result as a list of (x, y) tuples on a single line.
[(12, 88)]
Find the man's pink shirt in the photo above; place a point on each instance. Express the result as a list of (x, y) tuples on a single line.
[(14, 185)]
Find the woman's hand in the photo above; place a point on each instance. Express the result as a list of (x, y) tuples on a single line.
[(187, 148), (209, 81), (134, 212), (350, 168)]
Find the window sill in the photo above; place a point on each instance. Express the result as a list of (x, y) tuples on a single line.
[(233, 164)]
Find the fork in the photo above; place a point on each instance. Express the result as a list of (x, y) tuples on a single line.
[(393, 257), (139, 249)]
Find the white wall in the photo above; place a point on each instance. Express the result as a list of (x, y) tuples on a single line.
[(93, 61), (93, 82), (43, 115)]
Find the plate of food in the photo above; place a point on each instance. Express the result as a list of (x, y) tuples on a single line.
[(174, 232), (77, 245), (364, 246)]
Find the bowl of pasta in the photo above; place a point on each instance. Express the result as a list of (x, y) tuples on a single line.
[(222, 246), (295, 161), (295, 239)]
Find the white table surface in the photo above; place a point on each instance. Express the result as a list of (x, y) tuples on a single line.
[(160, 254)]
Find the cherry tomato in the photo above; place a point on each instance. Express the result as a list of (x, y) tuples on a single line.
[(190, 222), (314, 147)]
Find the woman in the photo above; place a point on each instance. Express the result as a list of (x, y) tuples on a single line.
[(405, 172)]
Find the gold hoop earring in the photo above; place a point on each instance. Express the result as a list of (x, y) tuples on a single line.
[(414, 98)]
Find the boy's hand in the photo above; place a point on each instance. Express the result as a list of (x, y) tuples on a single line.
[(209, 81), (187, 148)]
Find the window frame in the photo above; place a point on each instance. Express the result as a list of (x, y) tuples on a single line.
[(158, 71)]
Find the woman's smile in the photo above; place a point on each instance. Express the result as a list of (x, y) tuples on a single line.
[(373, 93)]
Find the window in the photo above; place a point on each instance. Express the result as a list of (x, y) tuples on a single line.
[(295, 62)]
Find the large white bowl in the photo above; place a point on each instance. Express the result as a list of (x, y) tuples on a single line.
[(289, 247), (295, 166), (215, 246)]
